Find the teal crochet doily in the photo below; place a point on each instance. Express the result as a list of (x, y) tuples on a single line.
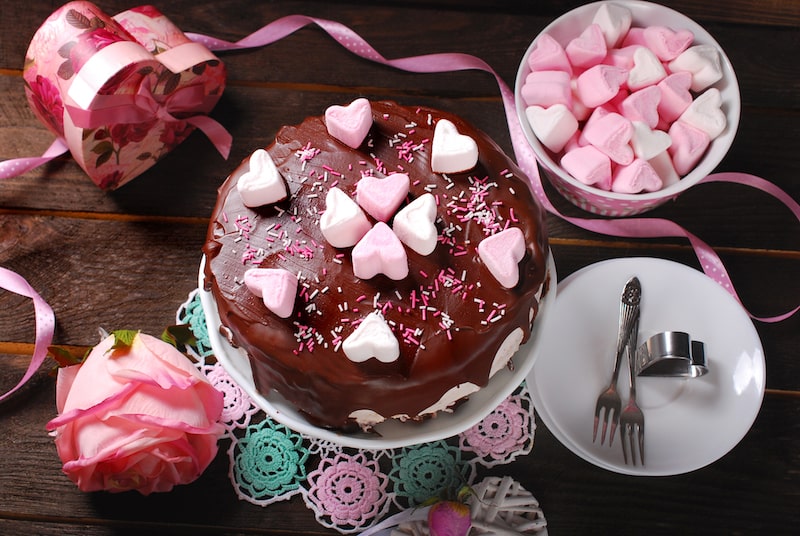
[(347, 489)]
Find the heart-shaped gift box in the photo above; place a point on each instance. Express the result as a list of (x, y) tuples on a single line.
[(122, 91)]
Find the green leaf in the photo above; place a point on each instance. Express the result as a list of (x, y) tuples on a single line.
[(123, 339), (66, 358), (179, 336), (103, 147), (103, 158)]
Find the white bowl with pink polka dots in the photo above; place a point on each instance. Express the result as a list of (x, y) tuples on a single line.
[(617, 204)]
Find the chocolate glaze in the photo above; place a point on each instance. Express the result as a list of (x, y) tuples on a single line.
[(304, 363)]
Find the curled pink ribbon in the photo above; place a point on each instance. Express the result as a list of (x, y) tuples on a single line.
[(526, 159), (45, 322)]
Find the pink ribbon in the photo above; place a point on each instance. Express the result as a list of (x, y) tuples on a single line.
[(45, 322), (18, 166), (526, 159), (143, 106)]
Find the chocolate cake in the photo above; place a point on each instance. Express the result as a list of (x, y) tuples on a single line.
[(437, 320)]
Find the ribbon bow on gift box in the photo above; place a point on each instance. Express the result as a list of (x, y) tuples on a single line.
[(120, 92)]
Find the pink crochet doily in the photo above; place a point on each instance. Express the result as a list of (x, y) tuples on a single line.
[(351, 490)]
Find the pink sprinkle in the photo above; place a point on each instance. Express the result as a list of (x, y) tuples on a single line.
[(512, 215), (423, 274), (225, 217)]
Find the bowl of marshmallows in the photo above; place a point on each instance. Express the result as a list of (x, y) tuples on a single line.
[(626, 104)]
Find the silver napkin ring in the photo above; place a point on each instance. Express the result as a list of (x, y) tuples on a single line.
[(671, 353)]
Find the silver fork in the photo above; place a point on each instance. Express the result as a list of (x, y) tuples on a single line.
[(609, 403), (632, 418)]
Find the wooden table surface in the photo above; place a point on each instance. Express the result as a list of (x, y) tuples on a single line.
[(127, 259)]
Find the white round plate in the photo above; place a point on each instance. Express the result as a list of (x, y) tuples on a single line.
[(389, 434), (689, 423)]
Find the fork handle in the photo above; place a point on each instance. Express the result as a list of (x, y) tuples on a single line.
[(628, 315)]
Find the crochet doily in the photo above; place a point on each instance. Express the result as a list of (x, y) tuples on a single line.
[(351, 490)]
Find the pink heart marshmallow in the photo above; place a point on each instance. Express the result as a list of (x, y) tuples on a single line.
[(703, 61), (636, 177), (275, 286), (688, 146), (675, 96), (343, 223), (261, 184), (548, 55), (647, 69), (614, 20), (589, 48), (666, 43), (350, 124), (415, 224), (705, 113), (382, 197), (648, 143), (554, 126), (599, 84), (501, 253), (380, 252), (545, 88), (610, 134), (642, 106), (589, 166)]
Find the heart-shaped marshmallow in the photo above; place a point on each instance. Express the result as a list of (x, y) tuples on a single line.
[(553, 126), (703, 61), (614, 20), (588, 48), (546, 88), (689, 144), (648, 143), (642, 106), (275, 286), (261, 184), (647, 69), (415, 225), (85, 97), (381, 197), (501, 253), (662, 164), (372, 338), (675, 96), (588, 165), (380, 252), (343, 223), (705, 113), (610, 133), (349, 124), (548, 55), (452, 152), (636, 177), (599, 84), (666, 43)]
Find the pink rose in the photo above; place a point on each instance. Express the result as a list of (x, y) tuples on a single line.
[(135, 416)]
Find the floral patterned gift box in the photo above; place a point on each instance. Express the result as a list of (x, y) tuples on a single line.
[(121, 91)]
